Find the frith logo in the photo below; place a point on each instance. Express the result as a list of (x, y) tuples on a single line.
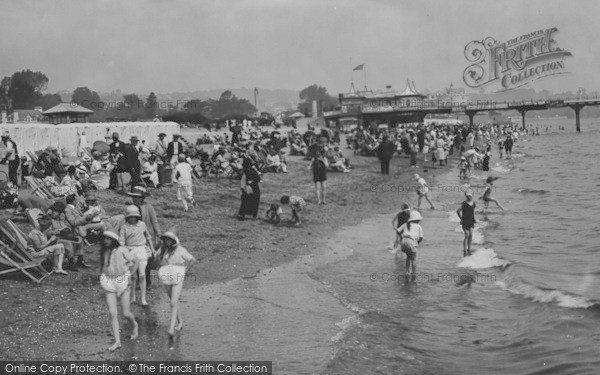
[(515, 63)]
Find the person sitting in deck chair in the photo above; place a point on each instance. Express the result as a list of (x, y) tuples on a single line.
[(150, 171), (274, 162), (44, 247), (80, 222)]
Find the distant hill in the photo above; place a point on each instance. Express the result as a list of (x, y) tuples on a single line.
[(273, 101), (266, 100)]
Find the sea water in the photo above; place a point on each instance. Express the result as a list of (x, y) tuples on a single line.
[(526, 302)]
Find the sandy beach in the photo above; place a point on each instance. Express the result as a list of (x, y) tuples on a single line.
[(65, 317)]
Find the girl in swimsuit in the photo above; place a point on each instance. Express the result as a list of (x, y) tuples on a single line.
[(487, 194), (466, 213)]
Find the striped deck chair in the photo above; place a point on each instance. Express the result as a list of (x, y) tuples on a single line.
[(40, 189)]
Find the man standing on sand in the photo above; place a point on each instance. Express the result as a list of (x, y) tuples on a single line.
[(117, 153), (12, 157), (385, 151), (159, 148), (174, 148), (132, 161)]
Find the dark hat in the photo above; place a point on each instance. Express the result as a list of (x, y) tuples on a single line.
[(134, 138), (162, 135), (491, 179)]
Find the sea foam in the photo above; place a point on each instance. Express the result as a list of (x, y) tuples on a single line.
[(547, 296), (481, 259)]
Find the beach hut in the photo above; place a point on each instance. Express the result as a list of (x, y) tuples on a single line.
[(66, 113)]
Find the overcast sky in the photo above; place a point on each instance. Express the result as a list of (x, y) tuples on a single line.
[(167, 46)]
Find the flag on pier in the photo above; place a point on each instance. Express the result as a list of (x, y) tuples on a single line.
[(360, 67)]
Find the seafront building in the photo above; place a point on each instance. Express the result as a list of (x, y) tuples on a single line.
[(393, 107)]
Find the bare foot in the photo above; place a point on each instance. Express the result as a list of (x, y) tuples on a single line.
[(115, 346), (134, 333), (179, 326)]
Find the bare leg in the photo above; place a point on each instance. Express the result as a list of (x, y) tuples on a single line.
[(428, 200), (133, 279), (318, 190), (185, 205), (465, 242), (142, 275), (419, 202), (111, 301), (175, 316), (469, 241), (58, 263), (498, 204), (407, 265), (323, 189), (128, 314)]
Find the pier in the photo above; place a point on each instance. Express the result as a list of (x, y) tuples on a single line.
[(412, 106)]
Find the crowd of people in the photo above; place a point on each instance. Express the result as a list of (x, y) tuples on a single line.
[(132, 243), (474, 145)]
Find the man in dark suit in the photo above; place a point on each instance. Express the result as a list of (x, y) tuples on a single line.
[(11, 157), (174, 148), (132, 161), (384, 153), (116, 157)]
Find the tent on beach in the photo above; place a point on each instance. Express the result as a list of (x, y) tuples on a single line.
[(38, 136)]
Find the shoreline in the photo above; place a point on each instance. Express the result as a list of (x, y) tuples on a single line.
[(227, 249)]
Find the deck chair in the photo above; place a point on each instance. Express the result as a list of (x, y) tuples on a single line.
[(38, 188), (41, 190), (33, 156), (32, 215), (17, 257), (22, 265)]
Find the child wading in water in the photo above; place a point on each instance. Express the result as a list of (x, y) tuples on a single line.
[(422, 191), (175, 261), (411, 235), (463, 166), (400, 219), (296, 204), (487, 194), (135, 236), (184, 174), (117, 263), (466, 213)]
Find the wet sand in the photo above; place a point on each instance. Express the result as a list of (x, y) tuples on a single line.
[(236, 296)]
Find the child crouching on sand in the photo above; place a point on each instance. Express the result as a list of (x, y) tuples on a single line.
[(274, 212), (117, 263), (175, 261), (411, 235), (296, 204)]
